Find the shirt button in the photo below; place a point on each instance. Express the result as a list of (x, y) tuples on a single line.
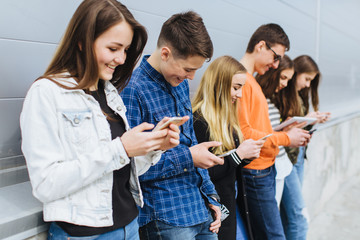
[(76, 121), (118, 108), (185, 169), (122, 161)]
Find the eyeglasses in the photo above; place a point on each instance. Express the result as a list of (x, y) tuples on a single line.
[(277, 57)]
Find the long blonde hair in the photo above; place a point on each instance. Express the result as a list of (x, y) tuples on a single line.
[(213, 101)]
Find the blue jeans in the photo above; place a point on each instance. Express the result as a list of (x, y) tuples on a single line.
[(300, 164), (293, 211), (129, 232), (241, 233), (160, 230), (264, 213)]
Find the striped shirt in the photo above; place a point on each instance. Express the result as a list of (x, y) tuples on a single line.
[(283, 164), (274, 116)]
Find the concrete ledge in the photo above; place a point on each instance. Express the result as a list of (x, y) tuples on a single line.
[(13, 176), (20, 213), (333, 159)]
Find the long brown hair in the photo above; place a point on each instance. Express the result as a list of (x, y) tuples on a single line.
[(90, 20), (271, 79), (296, 103), (286, 99), (213, 101), (305, 64)]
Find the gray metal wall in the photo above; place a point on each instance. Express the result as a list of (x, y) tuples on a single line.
[(30, 30)]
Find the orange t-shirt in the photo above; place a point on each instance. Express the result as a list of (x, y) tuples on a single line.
[(255, 123)]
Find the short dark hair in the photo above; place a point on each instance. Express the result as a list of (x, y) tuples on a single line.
[(272, 34), (187, 36)]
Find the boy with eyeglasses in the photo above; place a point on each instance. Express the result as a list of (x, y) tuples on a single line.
[(266, 47)]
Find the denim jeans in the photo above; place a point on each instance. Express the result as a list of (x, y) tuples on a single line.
[(241, 233), (160, 230), (300, 164), (264, 213), (293, 211), (129, 232)]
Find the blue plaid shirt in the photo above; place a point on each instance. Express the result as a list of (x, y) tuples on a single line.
[(175, 191)]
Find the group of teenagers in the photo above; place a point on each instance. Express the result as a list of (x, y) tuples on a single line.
[(103, 168)]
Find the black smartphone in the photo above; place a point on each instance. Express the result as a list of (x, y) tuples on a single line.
[(312, 131)]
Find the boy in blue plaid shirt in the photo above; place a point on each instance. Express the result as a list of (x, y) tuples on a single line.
[(180, 200)]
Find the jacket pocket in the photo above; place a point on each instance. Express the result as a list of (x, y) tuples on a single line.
[(77, 125)]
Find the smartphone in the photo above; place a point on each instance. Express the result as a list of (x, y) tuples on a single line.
[(312, 131), (263, 138), (175, 120), (227, 153)]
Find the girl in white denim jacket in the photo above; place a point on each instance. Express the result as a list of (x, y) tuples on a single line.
[(66, 136)]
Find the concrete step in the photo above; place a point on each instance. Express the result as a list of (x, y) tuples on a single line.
[(340, 217), (20, 213)]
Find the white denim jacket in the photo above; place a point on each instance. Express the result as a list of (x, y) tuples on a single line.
[(66, 141)]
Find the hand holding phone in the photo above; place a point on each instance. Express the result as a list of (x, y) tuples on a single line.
[(265, 137), (175, 120), (227, 153)]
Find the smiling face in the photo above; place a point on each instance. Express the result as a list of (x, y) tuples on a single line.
[(303, 80), (265, 57), (238, 81), (111, 47), (175, 70), (285, 76)]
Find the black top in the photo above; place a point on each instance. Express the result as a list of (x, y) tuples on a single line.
[(224, 177), (124, 206)]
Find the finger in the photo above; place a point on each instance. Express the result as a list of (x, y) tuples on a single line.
[(304, 131), (164, 120), (300, 125), (217, 160), (161, 123), (215, 227), (174, 127), (174, 141), (217, 221), (173, 134), (144, 126), (216, 224), (185, 118), (158, 134), (155, 143), (260, 142), (211, 144)]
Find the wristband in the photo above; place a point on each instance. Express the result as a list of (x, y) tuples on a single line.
[(235, 157)]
